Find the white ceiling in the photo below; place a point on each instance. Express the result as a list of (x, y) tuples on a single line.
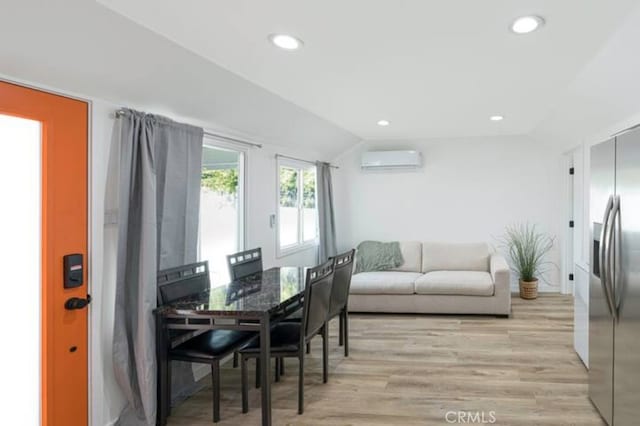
[(433, 68), (84, 48), (605, 96)]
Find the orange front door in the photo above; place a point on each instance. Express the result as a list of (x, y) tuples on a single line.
[(63, 169)]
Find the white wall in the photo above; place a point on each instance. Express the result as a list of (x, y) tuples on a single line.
[(262, 203), (106, 399), (467, 190)]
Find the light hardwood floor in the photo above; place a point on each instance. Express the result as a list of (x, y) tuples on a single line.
[(413, 369)]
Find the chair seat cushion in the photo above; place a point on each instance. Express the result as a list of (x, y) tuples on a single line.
[(384, 282), (285, 337), (212, 344), (465, 283), (295, 317)]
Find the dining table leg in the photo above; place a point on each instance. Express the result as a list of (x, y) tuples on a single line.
[(265, 370), (163, 378)]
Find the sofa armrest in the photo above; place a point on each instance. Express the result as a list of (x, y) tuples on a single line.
[(501, 275), (499, 269)]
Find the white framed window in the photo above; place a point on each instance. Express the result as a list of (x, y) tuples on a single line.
[(222, 205), (297, 213)]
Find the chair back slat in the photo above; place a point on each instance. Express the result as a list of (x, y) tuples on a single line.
[(244, 263), (317, 298), (343, 267), (182, 282)]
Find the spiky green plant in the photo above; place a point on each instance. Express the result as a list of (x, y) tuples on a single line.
[(527, 249)]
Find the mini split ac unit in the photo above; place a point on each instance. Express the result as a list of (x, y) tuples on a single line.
[(391, 160)]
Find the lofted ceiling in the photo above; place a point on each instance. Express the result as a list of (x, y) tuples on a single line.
[(83, 48), (604, 98), (433, 68)]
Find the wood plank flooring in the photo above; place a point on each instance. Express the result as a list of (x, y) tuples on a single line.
[(414, 369)]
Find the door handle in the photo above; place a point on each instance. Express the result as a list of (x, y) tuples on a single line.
[(604, 249), (610, 256), (613, 260), (77, 303)]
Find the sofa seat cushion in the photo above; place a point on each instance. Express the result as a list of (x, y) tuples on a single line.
[(384, 282), (464, 283)]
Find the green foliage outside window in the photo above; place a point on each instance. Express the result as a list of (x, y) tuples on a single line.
[(309, 190), (289, 286), (223, 181), (289, 187)]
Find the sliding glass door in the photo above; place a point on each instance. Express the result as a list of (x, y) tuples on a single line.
[(222, 203)]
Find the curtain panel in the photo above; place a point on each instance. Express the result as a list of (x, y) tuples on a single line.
[(158, 184), (326, 218)]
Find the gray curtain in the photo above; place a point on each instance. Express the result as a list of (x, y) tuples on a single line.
[(159, 170), (326, 218)]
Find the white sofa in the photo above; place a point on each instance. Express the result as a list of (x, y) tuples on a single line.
[(437, 278)]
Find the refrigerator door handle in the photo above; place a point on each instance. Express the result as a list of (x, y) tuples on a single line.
[(604, 255), (613, 262)]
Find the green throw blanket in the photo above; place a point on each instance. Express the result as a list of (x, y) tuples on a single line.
[(377, 256)]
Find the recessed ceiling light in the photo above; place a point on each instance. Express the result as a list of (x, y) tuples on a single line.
[(496, 118), (285, 41), (383, 123), (527, 24)]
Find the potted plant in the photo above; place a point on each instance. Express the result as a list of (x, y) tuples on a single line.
[(527, 248)]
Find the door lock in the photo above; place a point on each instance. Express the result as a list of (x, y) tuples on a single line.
[(77, 303), (73, 270)]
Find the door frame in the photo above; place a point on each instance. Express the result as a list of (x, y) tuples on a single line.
[(243, 173), (567, 233), (574, 207), (89, 261)]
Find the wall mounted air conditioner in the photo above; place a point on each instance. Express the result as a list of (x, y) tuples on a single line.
[(373, 160)]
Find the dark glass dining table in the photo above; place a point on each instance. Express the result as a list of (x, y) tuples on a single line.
[(251, 303)]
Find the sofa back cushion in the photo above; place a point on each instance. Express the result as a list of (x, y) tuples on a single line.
[(455, 257), (412, 255)]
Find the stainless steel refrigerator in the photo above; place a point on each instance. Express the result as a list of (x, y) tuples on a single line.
[(614, 290)]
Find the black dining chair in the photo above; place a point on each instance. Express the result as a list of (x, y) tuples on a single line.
[(244, 263), (288, 339), (209, 347), (340, 295), (339, 298)]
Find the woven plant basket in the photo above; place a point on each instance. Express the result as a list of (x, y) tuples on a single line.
[(529, 289)]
